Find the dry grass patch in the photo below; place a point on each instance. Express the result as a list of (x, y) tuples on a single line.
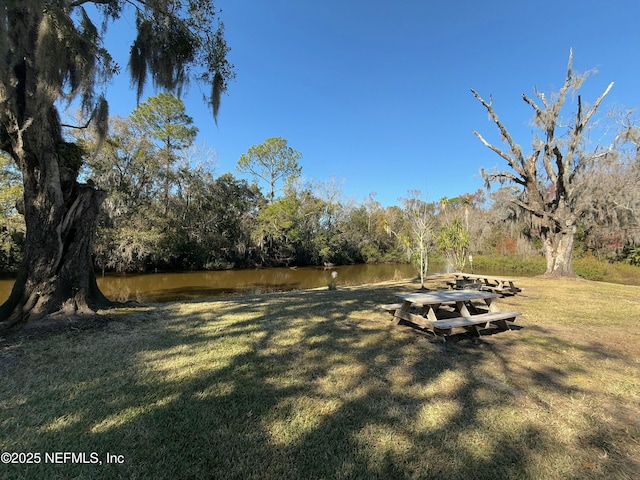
[(319, 384)]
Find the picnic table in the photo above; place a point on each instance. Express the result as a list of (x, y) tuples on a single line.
[(491, 283), (470, 316)]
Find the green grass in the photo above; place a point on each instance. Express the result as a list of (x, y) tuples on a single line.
[(319, 384)]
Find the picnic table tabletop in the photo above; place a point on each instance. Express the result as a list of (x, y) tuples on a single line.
[(446, 296), (431, 302), (476, 276)]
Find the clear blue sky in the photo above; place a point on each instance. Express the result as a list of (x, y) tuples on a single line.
[(377, 93)]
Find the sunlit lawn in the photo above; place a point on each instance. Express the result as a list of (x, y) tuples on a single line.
[(319, 384)]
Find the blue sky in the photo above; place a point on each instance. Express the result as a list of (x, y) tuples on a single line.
[(377, 94)]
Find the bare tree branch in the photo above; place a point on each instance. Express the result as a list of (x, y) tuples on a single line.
[(503, 154), (548, 123), (518, 164), (539, 113), (543, 97), (531, 209), (576, 133), (559, 180), (503, 177), (629, 208)]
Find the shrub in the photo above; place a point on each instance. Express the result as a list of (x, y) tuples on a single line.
[(590, 268)]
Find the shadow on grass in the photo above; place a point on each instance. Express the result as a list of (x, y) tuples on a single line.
[(304, 385)]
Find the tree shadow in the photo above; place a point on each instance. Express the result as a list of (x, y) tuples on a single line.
[(303, 385)]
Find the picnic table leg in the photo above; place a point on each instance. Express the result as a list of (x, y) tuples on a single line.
[(404, 308), (472, 308), (491, 305), (430, 312), (473, 329), (502, 324), (462, 308)]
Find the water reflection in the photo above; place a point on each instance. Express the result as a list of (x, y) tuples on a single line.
[(166, 287)]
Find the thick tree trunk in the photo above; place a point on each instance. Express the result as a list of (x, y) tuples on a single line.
[(57, 274), (558, 250)]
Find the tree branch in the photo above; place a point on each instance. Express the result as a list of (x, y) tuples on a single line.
[(515, 148), (550, 122), (559, 180), (580, 124), (501, 153), (494, 148), (77, 127), (563, 91), (503, 177), (78, 3), (626, 207), (536, 212), (542, 96), (535, 106)]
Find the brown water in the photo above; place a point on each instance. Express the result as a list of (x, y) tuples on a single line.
[(166, 287)]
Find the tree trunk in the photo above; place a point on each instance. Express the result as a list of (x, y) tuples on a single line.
[(57, 274), (558, 250)]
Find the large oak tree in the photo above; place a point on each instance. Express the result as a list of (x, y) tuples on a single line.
[(553, 180), (51, 55)]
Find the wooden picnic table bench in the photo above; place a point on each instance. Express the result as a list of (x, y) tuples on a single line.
[(475, 322)]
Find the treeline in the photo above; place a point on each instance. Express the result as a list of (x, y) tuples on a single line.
[(166, 210)]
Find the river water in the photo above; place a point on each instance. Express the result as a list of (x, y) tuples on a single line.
[(167, 287)]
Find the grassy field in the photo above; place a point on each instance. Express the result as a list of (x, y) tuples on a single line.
[(319, 385)]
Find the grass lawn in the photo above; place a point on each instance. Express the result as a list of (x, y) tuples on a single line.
[(319, 384)]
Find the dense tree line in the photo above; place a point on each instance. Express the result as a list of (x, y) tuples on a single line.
[(166, 210)]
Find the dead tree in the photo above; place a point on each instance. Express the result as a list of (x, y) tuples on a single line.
[(550, 177)]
